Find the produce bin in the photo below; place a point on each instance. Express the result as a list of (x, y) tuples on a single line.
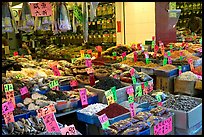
[(191, 131), (118, 118), (91, 100), (186, 120), (185, 87), (90, 119), (166, 73), (165, 83)]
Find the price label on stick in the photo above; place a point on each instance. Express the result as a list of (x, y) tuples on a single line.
[(51, 123), (7, 107), (15, 53), (73, 83), (8, 87), (113, 89), (124, 55), (68, 130), (131, 98), (164, 127), (90, 70), (134, 80), (180, 70), (87, 56), (135, 56), (89, 51), (138, 91), (130, 90), (24, 90), (132, 109), (54, 83), (132, 71), (55, 71), (46, 110), (99, 48), (114, 53), (104, 121), (82, 53), (88, 63), (9, 117), (10, 97), (109, 97), (190, 62), (83, 96)]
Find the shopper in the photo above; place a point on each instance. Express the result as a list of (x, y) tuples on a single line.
[(195, 24), (24, 50)]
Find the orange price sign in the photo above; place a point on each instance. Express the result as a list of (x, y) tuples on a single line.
[(46, 110), (10, 97), (99, 48), (90, 70), (9, 117)]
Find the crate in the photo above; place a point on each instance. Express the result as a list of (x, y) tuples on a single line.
[(118, 118), (191, 131), (165, 83), (186, 120), (166, 73), (90, 119), (91, 100), (185, 87)]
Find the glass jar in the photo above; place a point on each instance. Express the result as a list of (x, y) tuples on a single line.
[(99, 10), (104, 23), (99, 24), (109, 24), (114, 37), (110, 38), (105, 11), (110, 9)]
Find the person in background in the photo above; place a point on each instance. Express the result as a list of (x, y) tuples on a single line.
[(195, 24), (23, 49), (5, 47)]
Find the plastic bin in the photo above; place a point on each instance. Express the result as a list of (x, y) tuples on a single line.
[(87, 118), (91, 100), (118, 118), (166, 73)]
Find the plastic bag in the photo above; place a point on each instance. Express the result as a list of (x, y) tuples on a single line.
[(93, 6)]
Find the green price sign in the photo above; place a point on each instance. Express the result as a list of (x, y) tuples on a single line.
[(164, 61), (131, 99), (8, 87), (168, 53), (179, 67), (134, 80), (113, 89), (105, 125), (138, 91), (153, 44), (146, 84), (171, 46), (87, 56), (200, 41), (158, 97), (114, 53), (147, 60), (54, 83)]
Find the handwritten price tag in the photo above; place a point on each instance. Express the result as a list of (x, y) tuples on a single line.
[(109, 97), (83, 96), (124, 54), (55, 71), (130, 90), (90, 70), (138, 91), (9, 118), (131, 98), (51, 123), (10, 97), (87, 56), (82, 53), (132, 71), (180, 70), (46, 110), (54, 83), (190, 62), (73, 83), (7, 107), (113, 89), (24, 90), (114, 53), (69, 130), (99, 48), (150, 86), (89, 51), (8, 87), (132, 110), (104, 121), (163, 127), (88, 63), (134, 80)]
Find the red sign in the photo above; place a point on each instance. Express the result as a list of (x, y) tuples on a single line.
[(118, 26), (15, 53), (41, 9)]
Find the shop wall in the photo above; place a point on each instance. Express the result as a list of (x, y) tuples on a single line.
[(139, 21)]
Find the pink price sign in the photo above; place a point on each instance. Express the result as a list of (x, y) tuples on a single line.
[(169, 60), (135, 56), (163, 127), (83, 96), (24, 90), (132, 110), (103, 118), (132, 71), (9, 118), (51, 123), (130, 90), (88, 63), (7, 107), (146, 55), (55, 71), (73, 83), (69, 130), (41, 9), (123, 54)]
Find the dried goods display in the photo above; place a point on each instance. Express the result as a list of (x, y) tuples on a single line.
[(167, 67), (131, 63), (188, 76), (93, 108)]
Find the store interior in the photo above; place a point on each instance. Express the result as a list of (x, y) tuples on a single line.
[(101, 68)]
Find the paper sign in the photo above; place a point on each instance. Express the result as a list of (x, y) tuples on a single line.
[(87, 56), (15, 53), (114, 53), (88, 63), (99, 48), (113, 89), (55, 71), (159, 103), (134, 80), (90, 70), (68, 130), (190, 61), (123, 54), (153, 44), (46, 110), (9, 118), (8, 87), (73, 83), (131, 98), (53, 83), (10, 97), (146, 57), (82, 53), (132, 71), (41, 9), (158, 97), (138, 91), (163, 127), (7, 107), (51, 123), (164, 61), (150, 86), (109, 97), (145, 91), (135, 56), (83, 96), (130, 90), (169, 60), (104, 121), (181, 55), (89, 51), (24, 90), (132, 109), (180, 71)]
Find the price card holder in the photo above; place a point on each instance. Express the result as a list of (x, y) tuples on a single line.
[(83, 97), (104, 121), (51, 123), (10, 97), (132, 109), (69, 130), (46, 110), (8, 118), (7, 107), (113, 89), (164, 127), (8, 87), (109, 97)]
